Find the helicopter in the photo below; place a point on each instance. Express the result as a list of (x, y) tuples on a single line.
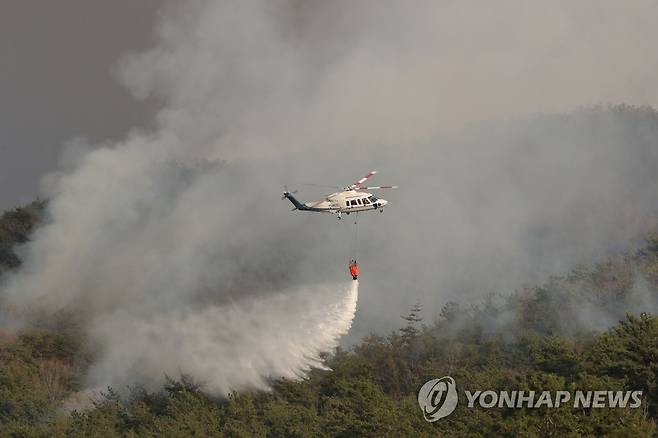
[(350, 200)]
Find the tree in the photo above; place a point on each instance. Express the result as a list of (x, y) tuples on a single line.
[(410, 331)]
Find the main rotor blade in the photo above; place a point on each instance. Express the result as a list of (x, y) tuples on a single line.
[(378, 187), (362, 180)]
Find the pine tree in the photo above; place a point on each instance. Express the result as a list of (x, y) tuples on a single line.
[(410, 331)]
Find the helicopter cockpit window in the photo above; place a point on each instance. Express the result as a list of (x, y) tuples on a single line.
[(366, 202), (373, 199)]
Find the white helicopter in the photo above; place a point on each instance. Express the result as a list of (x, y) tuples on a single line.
[(350, 200)]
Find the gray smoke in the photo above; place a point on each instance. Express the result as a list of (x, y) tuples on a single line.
[(156, 236)]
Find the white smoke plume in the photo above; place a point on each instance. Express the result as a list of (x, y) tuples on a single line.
[(238, 345), (169, 280), (152, 237)]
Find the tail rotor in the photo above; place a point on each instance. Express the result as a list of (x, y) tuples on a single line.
[(287, 192)]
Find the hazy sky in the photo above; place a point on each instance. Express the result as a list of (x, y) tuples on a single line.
[(56, 81)]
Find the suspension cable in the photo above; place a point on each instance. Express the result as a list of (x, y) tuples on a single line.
[(356, 235)]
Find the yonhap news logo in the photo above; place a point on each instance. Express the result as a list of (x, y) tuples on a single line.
[(438, 398)]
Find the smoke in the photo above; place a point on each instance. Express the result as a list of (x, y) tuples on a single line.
[(169, 280), (238, 345), (173, 243), (595, 310)]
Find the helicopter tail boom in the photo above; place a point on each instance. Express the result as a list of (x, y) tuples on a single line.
[(298, 205)]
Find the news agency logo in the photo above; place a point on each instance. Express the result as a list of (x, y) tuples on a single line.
[(438, 398)]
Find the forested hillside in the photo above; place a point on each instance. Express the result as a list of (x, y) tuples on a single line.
[(553, 337), (15, 227)]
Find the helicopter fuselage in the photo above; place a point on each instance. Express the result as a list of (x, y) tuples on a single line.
[(348, 201), (352, 199)]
